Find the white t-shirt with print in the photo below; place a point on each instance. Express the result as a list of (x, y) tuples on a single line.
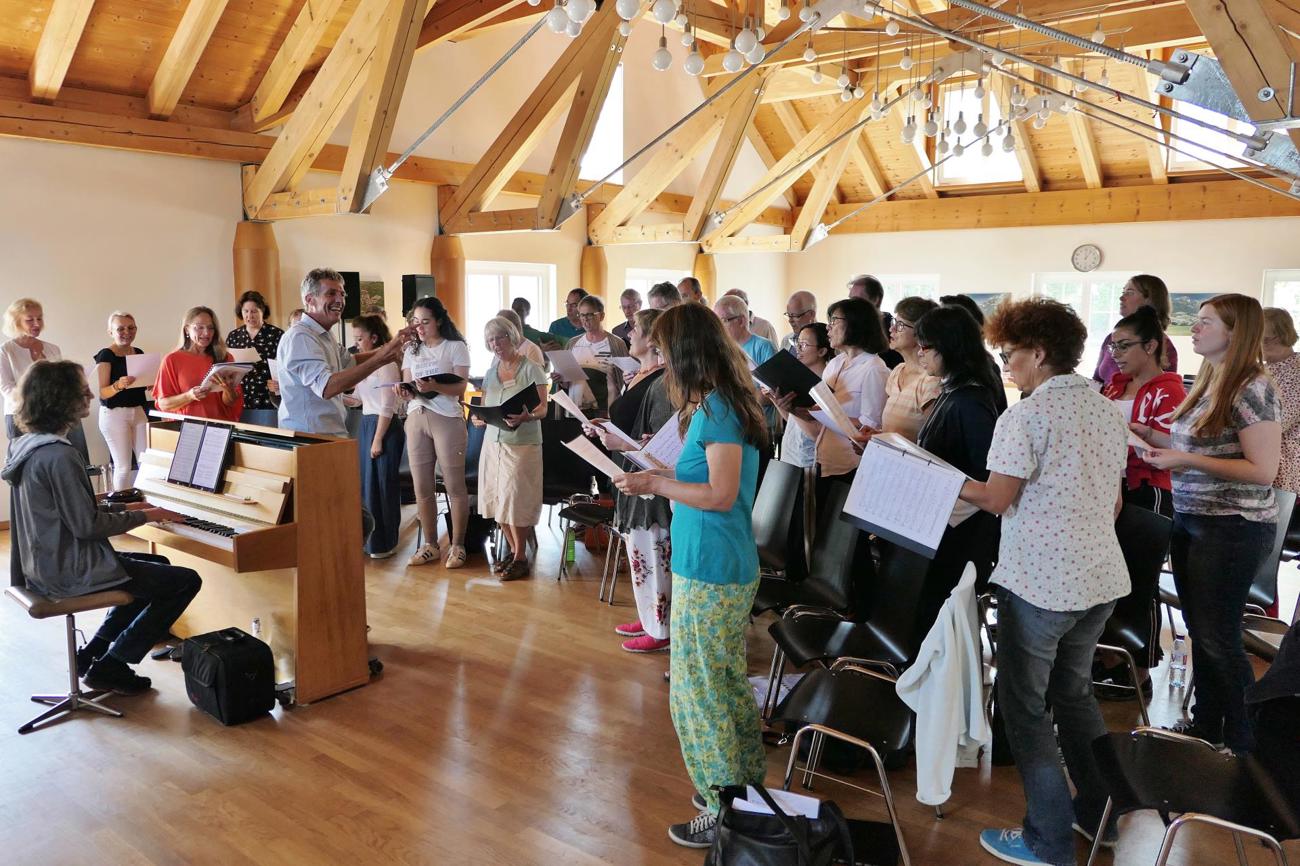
[(425, 361)]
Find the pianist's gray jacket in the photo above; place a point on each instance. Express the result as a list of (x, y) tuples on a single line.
[(58, 533)]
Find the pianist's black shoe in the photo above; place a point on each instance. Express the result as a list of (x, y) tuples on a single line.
[(109, 674), (85, 659)]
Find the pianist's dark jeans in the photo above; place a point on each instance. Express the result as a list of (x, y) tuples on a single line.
[(162, 592)]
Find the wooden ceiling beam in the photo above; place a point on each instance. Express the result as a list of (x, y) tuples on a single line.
[(1024, 152), (380, 97), (575, 137), (1158, 154), (1085, 144), (331, 93), (709, 86), (182, 55), (58, 43), (314, 19), (1222, 199), (823, 190), (1253, 52), (790, 121), (860, 158), (739, 118), (449, 19)]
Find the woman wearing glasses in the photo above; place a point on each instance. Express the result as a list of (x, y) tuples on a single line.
[(910, 391), (1141, 290), (183, 385)]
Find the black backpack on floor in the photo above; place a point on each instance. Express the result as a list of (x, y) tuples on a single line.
[(229, 674)]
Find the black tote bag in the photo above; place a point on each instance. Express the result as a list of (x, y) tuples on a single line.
[(751, 839)]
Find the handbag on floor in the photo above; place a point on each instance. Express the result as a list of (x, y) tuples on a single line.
[(779, 839), (229, 674)]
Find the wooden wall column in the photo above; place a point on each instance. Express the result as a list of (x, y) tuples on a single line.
[(257, 268), (593, 272), (447, 264), (705, 270)]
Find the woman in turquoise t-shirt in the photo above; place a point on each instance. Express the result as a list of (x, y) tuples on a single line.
[(714, 560)]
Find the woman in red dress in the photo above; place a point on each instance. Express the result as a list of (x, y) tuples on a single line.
[(183, 386)]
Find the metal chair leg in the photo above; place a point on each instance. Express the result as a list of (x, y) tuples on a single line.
[(1101, 828), (1131, 664), (75, 699), (613, 575)]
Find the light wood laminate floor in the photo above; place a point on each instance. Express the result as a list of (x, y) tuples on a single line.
[(507, 728)]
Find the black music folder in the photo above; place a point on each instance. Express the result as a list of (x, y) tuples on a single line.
[(440, 378), (525, 401), (784, 372)]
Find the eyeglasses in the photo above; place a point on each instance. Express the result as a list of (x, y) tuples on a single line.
[(900, 324), (803, 347), (414, 322), (588, 316), (793, 317), (1122, 346), (731, 318), (1005, 356), (837, 319), (922, 347)]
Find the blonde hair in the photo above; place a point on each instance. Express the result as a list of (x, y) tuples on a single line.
[(1279, 326), (118, 314), (15, 312), (502, 325), (1242, 363), (217, 348)]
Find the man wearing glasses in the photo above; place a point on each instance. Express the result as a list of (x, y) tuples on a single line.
[(629, 302), (593, 347), (735, 321), (567, 326), (757, 324), (800, 312)]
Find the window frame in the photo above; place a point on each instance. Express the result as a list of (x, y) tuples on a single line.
[(542, 311)]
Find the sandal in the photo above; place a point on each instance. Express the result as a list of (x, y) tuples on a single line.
[(517, 570)]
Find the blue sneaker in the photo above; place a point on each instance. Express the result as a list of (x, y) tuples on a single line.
[(1009, 845)]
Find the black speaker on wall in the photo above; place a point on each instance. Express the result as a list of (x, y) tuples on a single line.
[(414, 287), (352, 285)]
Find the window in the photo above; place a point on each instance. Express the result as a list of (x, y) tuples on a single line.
[(642, 279), (1094, 297), (899, 286), (973, 166), (490, 287), (605, 151), (1282, 289), (1201, 158)]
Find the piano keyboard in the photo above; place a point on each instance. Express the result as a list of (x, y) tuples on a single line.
[(198, 527)]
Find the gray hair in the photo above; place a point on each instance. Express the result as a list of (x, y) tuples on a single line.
[(502, 325), (738, 293), (513, 317), (630, 293), (666, 292), (118, 314), (311, 284), (732, 306)]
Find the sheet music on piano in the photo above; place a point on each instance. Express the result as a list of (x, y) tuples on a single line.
[(904, 494)]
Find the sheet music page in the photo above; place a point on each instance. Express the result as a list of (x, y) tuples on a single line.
[(211, 458), (144, 368), (826, 400), (567, 403), (245, 356), (928, 494), (633, 444), (665, 446), (567, 366), (627, 365), (828, 422), (587, 358), (587, 450), (275, 368), (187, 452), (233, 373)]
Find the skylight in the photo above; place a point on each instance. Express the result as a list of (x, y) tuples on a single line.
[(972, 166)]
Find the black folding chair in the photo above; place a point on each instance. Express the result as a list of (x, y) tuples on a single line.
[(774, 511), (1152, 768)]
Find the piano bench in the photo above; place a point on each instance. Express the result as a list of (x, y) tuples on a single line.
[(40, 607)]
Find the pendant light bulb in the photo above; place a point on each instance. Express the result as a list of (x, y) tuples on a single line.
[(694, 63), (534, 2), (859, 93), (1098, 36), (783, 11), (931, 129), (682, 21), (809, 55), (1104, 79), (627, 9), (980, 128), (664, 11), (958, 149), (891, 27), (688, 38), (960, 126), (1040, 122), (843, 80), (756, 54), (662, 58), (1009, 142), (733, 60), (876, 104), (574, 29), (942, 147), (579, 9), (557, 19), (745, 39), (979, 88), (926, 100), (905, 63), (760, 32), (625, 29), (805, 13), (817, 75), (846, 95), (986, 148), (909, 130)]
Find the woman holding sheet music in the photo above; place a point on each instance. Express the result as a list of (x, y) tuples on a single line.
[(910, 391), (435, 426), (121, 405), (714, 561), (1055, 465), (380, 441), (256, 332), (644, 523), (510, 465), (183, 385)]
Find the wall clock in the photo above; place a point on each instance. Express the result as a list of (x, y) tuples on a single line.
[(1086, 257)]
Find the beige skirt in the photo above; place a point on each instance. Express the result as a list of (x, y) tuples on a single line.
[(510, 483)]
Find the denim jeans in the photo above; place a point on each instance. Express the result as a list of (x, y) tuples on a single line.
[(162, 592), (1045, 659), (1215, 560)]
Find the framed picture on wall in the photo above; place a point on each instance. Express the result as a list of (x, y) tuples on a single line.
[(988, 301), (372, 296), (1185, 305)]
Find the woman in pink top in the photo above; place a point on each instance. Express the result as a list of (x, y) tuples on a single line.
[(1141, 290), (183, 386)]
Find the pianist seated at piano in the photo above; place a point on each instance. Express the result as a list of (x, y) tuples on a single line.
[(183, 386), (59, 533)]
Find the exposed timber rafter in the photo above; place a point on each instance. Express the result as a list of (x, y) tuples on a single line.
[(59, 38), (314, 18), (182, 55)]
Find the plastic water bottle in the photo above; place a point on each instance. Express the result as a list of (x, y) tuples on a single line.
[(1178, 664), (255, 629), (570, 549)]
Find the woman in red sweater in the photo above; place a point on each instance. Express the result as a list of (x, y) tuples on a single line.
[(181, 387), (1148, 395)]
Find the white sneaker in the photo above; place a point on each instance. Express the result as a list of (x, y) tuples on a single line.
[(384, 555), (425, 555), (456, 556)]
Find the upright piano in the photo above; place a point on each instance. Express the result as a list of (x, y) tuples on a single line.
[(279, 543)]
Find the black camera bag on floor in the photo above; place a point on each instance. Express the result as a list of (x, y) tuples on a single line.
[(229, 674)]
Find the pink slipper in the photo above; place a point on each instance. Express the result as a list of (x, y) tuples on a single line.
[(629, 629), (646, 644)]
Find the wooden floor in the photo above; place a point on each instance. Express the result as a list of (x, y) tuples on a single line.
[(507, 728)]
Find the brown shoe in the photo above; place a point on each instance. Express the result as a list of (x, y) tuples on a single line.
[(516, 570)]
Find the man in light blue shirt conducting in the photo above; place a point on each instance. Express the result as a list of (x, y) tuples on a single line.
[(315, 369)]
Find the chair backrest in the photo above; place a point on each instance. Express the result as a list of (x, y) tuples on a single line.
[(563, 472), (896, 615), (856, 703), (839, 554), (773, 511), (1263, 591), (474, 448), (1143, 537)]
